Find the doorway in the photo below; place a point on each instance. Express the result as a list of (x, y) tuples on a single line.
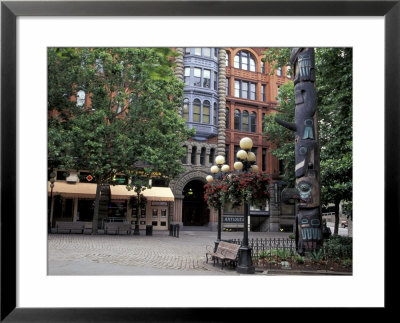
[(194, 209)]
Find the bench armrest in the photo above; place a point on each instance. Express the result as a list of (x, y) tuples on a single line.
[(209, 248)]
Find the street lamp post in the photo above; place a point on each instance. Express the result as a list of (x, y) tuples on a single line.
[(246, 163), (217, 171)]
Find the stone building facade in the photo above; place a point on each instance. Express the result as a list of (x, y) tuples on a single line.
[(228, 92)]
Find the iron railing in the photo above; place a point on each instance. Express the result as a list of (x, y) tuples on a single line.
[(280, 253)]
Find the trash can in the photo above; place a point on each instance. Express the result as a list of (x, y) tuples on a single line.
[(149, 230)]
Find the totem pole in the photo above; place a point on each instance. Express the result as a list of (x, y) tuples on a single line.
[(307, 170)]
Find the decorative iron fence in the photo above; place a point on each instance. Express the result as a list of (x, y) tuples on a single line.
[(280, 253)]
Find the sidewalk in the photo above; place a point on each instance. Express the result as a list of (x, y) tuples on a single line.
[(159, 254)]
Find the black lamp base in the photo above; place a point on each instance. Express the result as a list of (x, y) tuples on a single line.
[(216, 242), (245, 263), (136, 231)]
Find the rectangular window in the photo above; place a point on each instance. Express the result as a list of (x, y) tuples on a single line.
[(197, 77), (187, 75), (164, 213), (227, 86), (215, 80), (163, 224), (197, 51), (252, 91), (187, 50), (142, 222), (264, 159), (237, 89), (235, 151), (154, 223), (196, 112), (143, 213), (237, 61), (215, 53), (227, 153), (279, 71), (262, 67), (207, 78), (206, 114), (262, 93), (207, 52), (155, 213), (245, 90)]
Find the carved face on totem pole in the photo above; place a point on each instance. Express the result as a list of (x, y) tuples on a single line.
[(309, 226)]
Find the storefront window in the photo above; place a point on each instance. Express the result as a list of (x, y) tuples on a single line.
[(117, 209), (155, 213)]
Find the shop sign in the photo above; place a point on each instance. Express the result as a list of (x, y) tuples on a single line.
[(233, 219), (159, 203)]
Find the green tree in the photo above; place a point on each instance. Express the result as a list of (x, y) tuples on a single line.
[(128, 123), (333, 68)]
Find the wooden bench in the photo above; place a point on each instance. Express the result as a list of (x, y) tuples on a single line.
[(70, 227), (117, 228), (226, 251)]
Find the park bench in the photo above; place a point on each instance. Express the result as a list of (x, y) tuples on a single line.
[(117, 228), (70, 227), (226, 251)]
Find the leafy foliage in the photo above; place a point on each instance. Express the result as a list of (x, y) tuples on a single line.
[(128, 123), (333, 68)]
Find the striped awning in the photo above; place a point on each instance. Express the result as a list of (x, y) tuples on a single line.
[(71, 190), (88, 190), (152, 194)]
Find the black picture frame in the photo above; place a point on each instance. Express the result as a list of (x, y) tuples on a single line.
[(10, 10)]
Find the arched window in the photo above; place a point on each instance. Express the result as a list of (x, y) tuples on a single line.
[(185, 110), (80, 98), (245, 61), (215, 114), (203, 156), (196, 110), (227, 118), (253, 122), (206, 112), (245, 121), (193, 155), (237, 120), (212, 156)]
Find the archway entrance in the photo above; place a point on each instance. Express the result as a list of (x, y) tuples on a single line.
[(194, 208)]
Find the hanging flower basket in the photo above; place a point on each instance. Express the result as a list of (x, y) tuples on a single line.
[(250, 186), (236, 187), (213, 194)]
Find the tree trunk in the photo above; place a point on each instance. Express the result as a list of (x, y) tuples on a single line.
[(95, 223), (136, 231), (336, 230)]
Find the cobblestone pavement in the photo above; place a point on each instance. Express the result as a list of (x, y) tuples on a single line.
[(159, 254)]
